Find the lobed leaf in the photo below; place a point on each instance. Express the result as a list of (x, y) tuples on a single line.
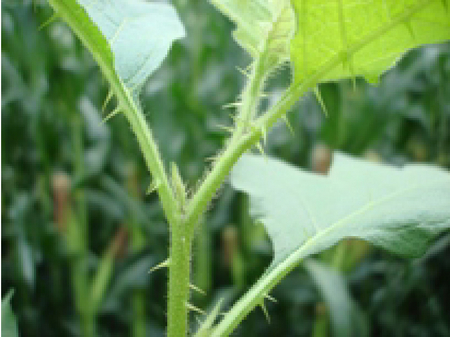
[(400, 210), (362, 38)]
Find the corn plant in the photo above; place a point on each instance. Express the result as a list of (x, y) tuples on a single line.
[(398, 209)]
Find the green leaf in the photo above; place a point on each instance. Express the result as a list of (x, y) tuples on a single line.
[(362, 38), (398, 209), (263, 26), (139, 34), (9, 323), (346, 318)]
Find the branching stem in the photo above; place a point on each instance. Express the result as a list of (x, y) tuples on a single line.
[(250, 99)]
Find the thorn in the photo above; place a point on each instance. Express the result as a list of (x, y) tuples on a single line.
[(231, 105), (50, 20), (320, 100), (264, 134), (211, 159), (112, 114), (261, 149), (410, 29), (236, 119), (197, 289), (194, 308), (264, 309), (255, 52), (163, 264), (249, 67), (107, 100), (270, 298), (154, 185), (226, 128), (206, 326), (286, 120), (243, 72)]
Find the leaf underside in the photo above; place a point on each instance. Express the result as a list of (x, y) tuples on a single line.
[(129, 39), (360, 37), (400, 210), (139, 35)]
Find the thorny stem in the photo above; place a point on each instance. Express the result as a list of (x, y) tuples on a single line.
[(83, 29), (248, 109), (179, 270), (248, 131)]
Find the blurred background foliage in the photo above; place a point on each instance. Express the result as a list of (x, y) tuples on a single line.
[(79, 233)]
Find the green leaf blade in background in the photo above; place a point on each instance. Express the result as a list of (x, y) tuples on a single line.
[(400, 210), (9, 322), (347, 319), (361, 38)]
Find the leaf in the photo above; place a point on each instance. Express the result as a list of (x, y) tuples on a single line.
[(344, 313), (400, 210), (262, 26), (362, 38), (9, 322), (397, 209), (138, 34)]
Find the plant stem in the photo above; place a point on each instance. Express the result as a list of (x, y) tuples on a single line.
[(104, 58), (151, 155), (250, 98), (241, 142), (179, 269), (80, 238)]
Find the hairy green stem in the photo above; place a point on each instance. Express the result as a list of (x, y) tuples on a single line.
[(179, 270), (126, 104), (248, 109), (241, 142)]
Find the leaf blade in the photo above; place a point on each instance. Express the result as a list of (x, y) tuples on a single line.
[(325, 206), (365, 38), (346, 317), (252, 176), (136, 54), (9, 321)]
